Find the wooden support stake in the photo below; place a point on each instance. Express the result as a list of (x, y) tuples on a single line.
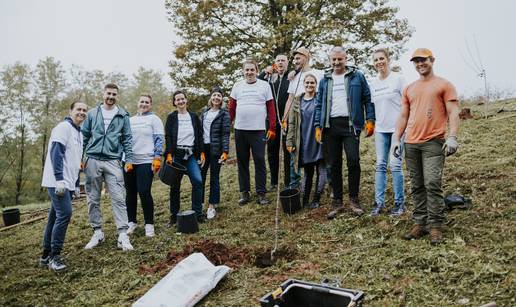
[(24, 222)]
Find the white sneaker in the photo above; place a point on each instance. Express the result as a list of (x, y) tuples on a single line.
[(98, 236), (124, 243), (211, 213), (149, 230), (132, 227)]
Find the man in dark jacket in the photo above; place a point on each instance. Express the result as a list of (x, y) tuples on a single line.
[(277, 78), (342, 99)]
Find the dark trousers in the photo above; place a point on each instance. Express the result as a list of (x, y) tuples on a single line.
[(247, 141), (58, 220), (340, 135), (194, 173), (212, 163), (273, 157), (139, 182), (309, 169)]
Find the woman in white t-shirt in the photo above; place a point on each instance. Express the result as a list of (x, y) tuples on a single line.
[(386, 91), (183, 144), (148, 138), (61, 178), (216, 126)]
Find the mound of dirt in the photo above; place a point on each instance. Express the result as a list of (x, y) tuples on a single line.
[(217, 253)]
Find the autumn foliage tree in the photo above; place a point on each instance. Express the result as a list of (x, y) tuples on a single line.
[(217, 35)]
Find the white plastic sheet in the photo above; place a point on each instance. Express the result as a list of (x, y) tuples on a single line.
[(188, 282)]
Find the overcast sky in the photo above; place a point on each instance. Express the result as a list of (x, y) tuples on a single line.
[(120, 35)]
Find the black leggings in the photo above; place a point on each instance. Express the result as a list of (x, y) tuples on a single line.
[(318, 167), (139, 181)]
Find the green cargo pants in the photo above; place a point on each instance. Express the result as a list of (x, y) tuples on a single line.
[(425, 162)]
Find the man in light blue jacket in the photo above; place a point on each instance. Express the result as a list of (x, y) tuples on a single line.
[(107, 135)]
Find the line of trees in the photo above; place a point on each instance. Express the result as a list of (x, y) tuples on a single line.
[(216, 35), (35, 99)]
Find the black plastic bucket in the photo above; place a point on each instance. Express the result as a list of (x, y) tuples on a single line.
[(11, 216), (187, 222), (290, 200), (298, 293), (171, 174)]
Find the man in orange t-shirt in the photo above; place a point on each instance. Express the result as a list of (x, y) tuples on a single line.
[(427, 105)]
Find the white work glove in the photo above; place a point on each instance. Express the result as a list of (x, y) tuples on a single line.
[(450, 146), (60, 188), (396, 149), (77, 192)]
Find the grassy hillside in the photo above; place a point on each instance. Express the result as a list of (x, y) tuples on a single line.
[(474, 266)]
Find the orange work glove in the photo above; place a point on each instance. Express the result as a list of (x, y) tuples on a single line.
[(203, 159), (156, 165), (271, 135), (128, 167), (369, 128), (223, 157), (168, 160), (318, 135), (291, 149)]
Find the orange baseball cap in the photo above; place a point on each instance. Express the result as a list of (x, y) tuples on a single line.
[(421, 53)]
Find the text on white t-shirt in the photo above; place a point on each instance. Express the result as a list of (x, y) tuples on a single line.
[(185, 131)]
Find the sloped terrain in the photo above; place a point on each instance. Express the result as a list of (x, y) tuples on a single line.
[(474, 266)]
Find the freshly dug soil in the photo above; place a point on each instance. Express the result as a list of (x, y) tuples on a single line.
[(263, 258), (217, 253)]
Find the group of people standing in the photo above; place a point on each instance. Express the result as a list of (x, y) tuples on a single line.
[(308, 114)]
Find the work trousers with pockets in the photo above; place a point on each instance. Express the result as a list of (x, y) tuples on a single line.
[(425, 163)]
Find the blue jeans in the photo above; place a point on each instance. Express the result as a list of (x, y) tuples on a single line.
[(212, 163), (58, 220), (194, 173), (384, 157)]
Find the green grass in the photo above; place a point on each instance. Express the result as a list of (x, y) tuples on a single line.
[(475, 265)]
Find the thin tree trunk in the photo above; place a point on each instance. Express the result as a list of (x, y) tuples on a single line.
[(19, 175), (43, 155)]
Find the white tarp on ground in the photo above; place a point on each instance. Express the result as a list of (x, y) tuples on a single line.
[(188, 282)]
